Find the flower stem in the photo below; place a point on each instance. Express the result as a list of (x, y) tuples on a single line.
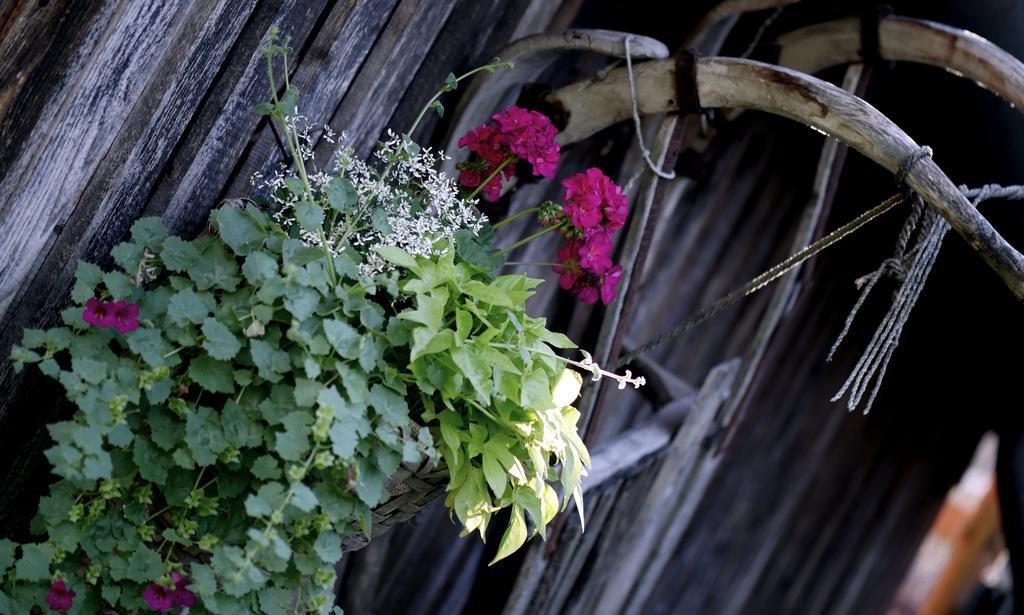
[(523, 242), (494, 174), (423, 112), (293, 148), (525, 212)]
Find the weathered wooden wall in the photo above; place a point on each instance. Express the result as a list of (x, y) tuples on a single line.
[(118, 108)]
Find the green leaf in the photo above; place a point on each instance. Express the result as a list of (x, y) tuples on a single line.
[(241, 429), (93, 372), (301, 301), (496, 477), (178, 255), (149, 232), (514, 536), (265, 467), (165, 430), (310, 215), (389, 405), (343, 337), (7, 554), (270, 362), (477, 251), (152, 464), (294, 252), (259, 267), (350, 423), (328, 547), (219, 341), (34, 564), (370, 484), (128, 256), (487, 293), (429, 309), (87, 278), (150, 345), (536, 393), (239, 229), (204, 435), (215, 269), (398, 256), (451, 82), (186, 307), (372, 316), (303, 497), (214, 376), (265, 501), (476, 369), (145, 565), (119, 285), (293, 442), (341, 194)]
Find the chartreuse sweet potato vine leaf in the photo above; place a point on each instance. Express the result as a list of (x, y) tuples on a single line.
[(498, 395)]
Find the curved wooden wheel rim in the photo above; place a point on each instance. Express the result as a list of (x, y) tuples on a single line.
[(728, 82), (814, 48)]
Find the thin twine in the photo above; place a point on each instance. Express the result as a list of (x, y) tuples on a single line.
[(646, 153), (765, 278)]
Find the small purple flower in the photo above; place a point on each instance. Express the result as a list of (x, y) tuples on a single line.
[(98, 313), (182, 596), (60, 597), (158, 597), (125, 316)]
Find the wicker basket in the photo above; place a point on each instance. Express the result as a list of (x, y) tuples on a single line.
[(410, 489)]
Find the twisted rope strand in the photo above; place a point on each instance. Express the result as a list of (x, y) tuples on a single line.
[(765, 278)]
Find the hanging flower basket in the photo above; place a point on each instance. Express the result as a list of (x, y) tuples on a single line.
[(338, 352), (410, 490)]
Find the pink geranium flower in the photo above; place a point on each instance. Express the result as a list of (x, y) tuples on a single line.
[(124, 316), (158, 597), (182, 596), (60, 598), (609, 281), (517, 134), (121, 315), (568, 266), (590, 287), (98, 313), (162, 598), (594, 254), (594, 202), (470, 178), (531, 136)]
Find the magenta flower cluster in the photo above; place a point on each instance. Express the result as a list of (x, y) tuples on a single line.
[(517, 134), (122, 316), (595, 209), (161, 598), (60, 597)]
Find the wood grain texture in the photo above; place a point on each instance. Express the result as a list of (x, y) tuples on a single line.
[(901, 39)]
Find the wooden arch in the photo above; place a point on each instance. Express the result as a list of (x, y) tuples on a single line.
[(594, 104)]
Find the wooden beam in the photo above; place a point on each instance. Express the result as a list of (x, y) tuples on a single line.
[(729, 82), (902, 39)]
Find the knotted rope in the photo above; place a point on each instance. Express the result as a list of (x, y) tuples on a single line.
[(910, 267)]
